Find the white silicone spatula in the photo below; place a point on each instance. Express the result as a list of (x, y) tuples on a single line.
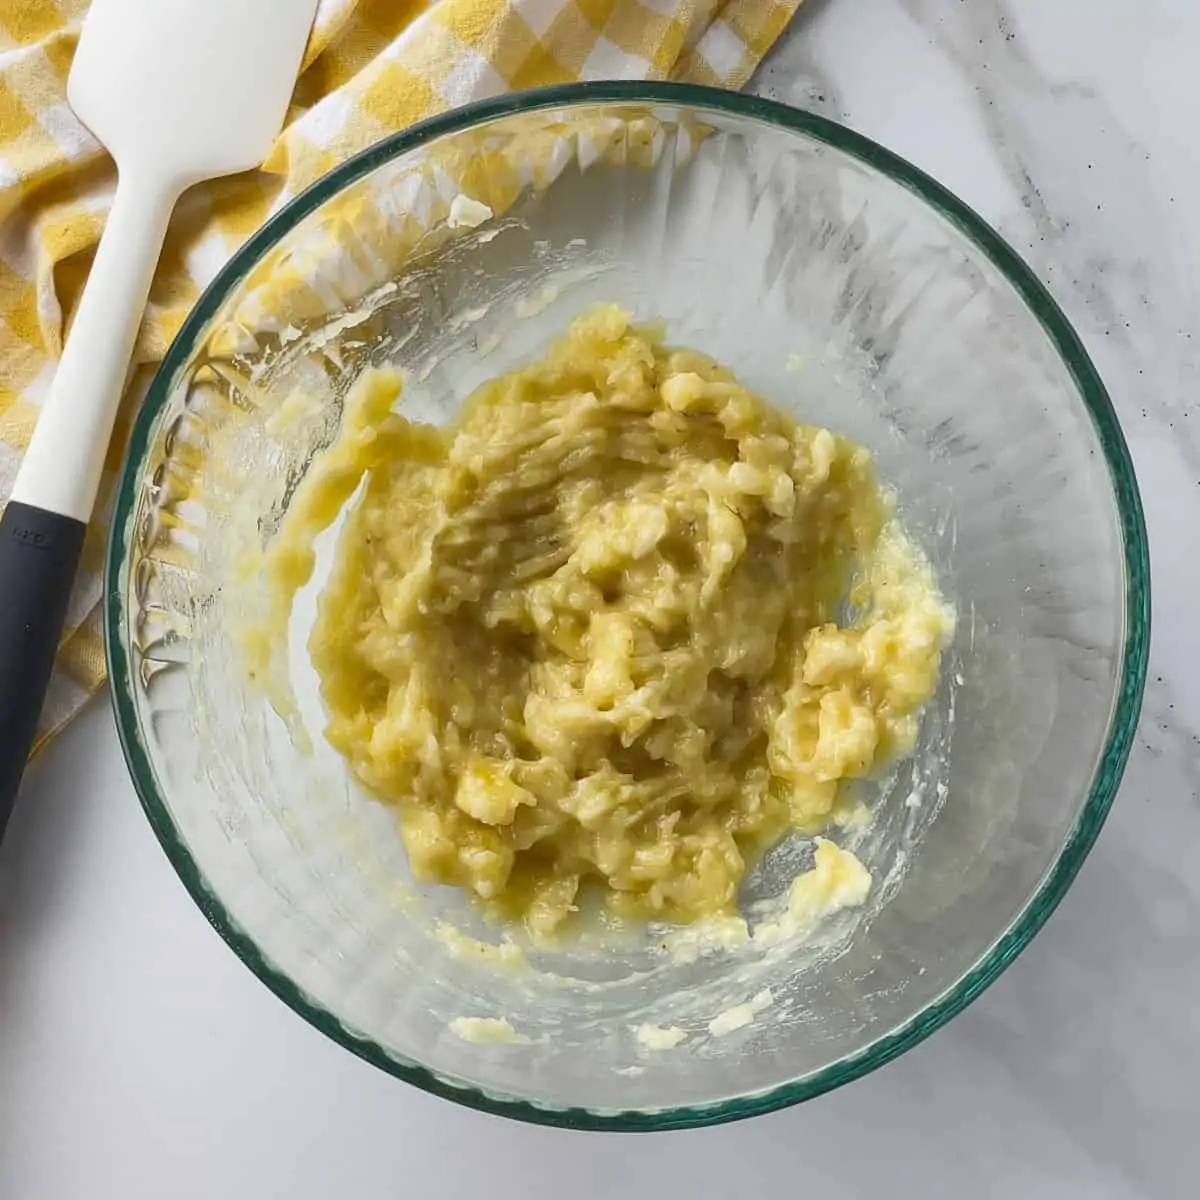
[(178, 91)]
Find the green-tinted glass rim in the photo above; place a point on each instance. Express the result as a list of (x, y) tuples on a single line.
[(1137, 599)]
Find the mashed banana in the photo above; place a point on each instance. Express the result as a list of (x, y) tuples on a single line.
[(622, 623)]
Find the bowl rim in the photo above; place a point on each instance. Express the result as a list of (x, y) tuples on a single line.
[(1122, 721)]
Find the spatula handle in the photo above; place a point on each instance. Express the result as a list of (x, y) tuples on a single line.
[(41, 532), (39, 552)]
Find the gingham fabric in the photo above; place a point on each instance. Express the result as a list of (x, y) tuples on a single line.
[(371, 67)]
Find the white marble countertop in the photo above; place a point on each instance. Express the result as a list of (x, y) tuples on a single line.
[(139, 1059)]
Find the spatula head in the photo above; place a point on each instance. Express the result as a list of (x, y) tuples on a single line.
[(188, 89)]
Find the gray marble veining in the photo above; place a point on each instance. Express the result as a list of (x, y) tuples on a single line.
[(1088, 1051)]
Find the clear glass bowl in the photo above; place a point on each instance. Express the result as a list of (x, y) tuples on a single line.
[(836, 280)]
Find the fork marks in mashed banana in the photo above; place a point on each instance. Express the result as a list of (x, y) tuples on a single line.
[(588, 633)]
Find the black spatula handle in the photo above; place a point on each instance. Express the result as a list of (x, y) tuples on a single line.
[(39, 553)]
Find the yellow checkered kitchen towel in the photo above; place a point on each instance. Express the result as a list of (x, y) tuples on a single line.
[(371, 67)]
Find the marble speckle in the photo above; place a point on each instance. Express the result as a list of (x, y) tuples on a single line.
[(798, 77), (1093, 223)]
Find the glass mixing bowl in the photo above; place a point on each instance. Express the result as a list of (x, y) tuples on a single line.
[(839, 282)]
